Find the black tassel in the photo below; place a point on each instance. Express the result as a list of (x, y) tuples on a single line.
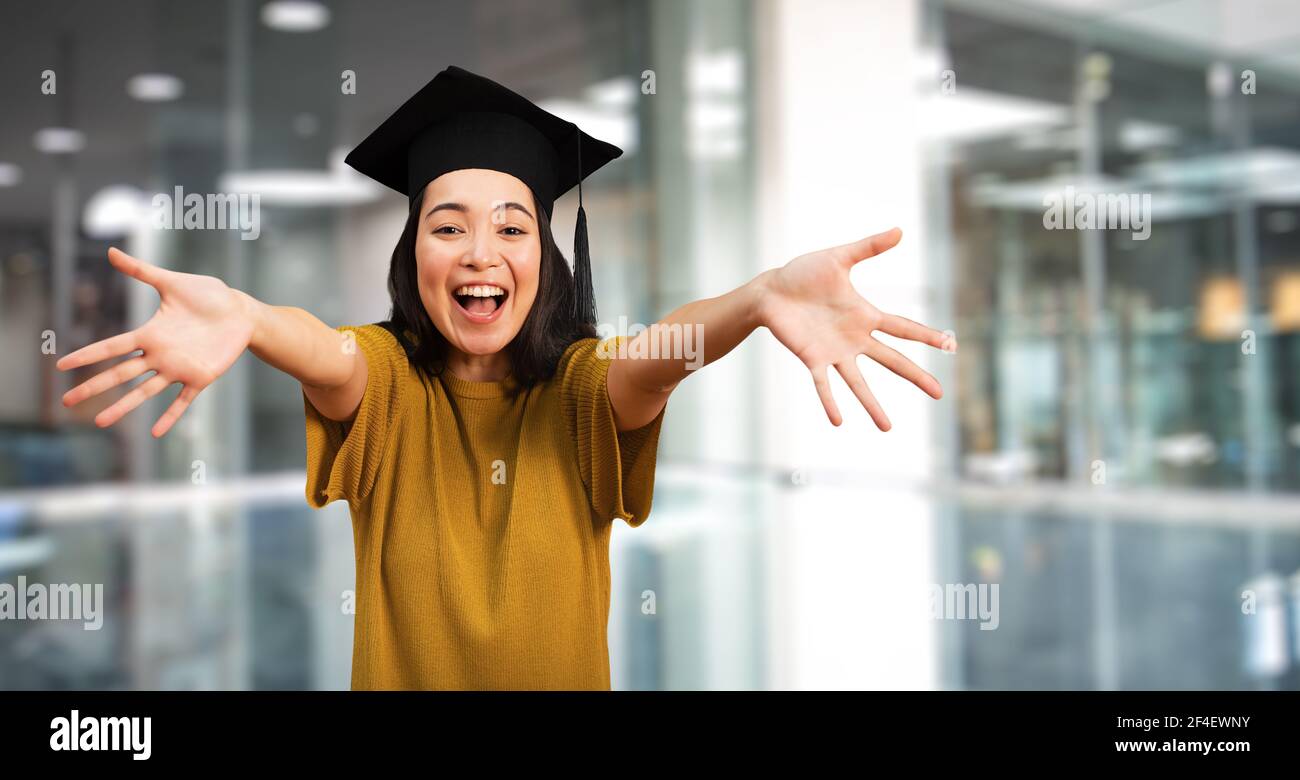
[(584, 298)]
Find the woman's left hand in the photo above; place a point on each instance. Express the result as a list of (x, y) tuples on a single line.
[(811, 307)]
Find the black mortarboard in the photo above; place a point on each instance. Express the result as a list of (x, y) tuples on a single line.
[(462, 120)]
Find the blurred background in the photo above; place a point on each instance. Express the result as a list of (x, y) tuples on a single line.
[(1117, 451)]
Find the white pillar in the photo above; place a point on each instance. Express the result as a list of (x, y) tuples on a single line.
[(839, 159)]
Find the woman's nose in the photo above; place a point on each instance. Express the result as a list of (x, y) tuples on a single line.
[(480, 256)]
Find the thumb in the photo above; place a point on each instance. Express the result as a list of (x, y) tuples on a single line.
[(137, 269), (860, 250)]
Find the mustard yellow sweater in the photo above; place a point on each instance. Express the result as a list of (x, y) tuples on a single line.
[(481, 522)]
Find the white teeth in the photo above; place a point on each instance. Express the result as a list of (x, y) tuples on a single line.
[(481, 290)]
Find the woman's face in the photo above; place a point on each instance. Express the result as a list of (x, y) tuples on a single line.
[(477, 258)]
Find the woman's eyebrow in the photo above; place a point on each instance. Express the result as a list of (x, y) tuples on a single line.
[(452, 206), (512, 205), (462, 208)]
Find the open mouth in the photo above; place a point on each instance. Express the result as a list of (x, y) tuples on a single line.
[(480, 300)]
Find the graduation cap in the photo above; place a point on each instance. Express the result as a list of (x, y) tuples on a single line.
[(462, 120)]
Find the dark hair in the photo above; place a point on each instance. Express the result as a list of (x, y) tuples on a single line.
[(548, 330)]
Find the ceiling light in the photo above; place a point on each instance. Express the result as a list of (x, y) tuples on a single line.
[(10, 174), (339, 185), (295, 15), (59, 140), (114, 211), (620, 92), (974, 114), (154, 87)]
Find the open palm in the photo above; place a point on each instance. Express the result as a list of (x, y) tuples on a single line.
[(198, 332), (813, 310)]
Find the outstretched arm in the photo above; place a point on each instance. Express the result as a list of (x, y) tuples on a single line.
[(808, 304), (200, 329)]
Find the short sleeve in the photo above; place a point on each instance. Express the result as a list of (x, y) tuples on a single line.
[(618, 469), (343, 458)]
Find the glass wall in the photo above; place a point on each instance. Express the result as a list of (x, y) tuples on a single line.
[(1135, 377)]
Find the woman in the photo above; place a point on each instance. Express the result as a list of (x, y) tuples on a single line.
[(482, 437)]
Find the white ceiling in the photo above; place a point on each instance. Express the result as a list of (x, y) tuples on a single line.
[(1267, 30)]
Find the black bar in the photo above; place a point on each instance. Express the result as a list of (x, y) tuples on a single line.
[(211, 730)]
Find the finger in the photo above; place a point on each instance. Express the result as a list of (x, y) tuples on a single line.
[(824, 391), (142, 392), (904, 328), (117, 346), (136, 268), (122, 372), (853, 376), (894, 360), (174, 411), (869, 246)]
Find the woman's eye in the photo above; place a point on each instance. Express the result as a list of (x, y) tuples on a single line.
[(517, 231), (447, 229)]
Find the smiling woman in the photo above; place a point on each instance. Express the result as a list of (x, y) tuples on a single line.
[(484, 439), (479, 233)]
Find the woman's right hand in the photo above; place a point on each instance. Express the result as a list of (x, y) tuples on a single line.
[(200, 329)]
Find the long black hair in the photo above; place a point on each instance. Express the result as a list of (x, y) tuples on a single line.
[(548, 330)]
